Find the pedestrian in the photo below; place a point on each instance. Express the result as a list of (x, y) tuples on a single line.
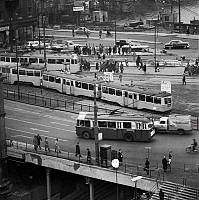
[(169, 160), (35, 143), (184, 80), (73, 32), (57, 147), (100, 33), (39, 139), (120, 156), (77, 152), (164, 163), (144, 68), (146, 166), (88, 156), (161, 194), (120, 77), (46, 145)]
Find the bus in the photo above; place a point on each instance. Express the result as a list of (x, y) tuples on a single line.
[(65, 62), (123, 127)]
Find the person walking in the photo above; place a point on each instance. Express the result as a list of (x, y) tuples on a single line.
[(57, 147), (46, 144), (161, 194), (73, 32), (100, 33), (39, 139), (88, 156), (184, 79), (35, 143), (77, 150), (164, 163), (147, 165), (120, 156), (169, 160)]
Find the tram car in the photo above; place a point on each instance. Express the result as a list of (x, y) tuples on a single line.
[(69, 62), (124, 95)]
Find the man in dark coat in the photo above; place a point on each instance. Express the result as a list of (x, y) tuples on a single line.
[(164, 164), (147, 164), (77, 152), (88, 156), (39, 141), (120, 156), (161, 194)]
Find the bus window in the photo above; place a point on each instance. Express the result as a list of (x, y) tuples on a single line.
[(126, 124), (102, 124), (80, 122), (7, 59), (87, 123), (141, 97), (3, 59), (51, 79), (41, 60), (51, 61), (60, 61), (14, 71), (85, 86), (91, 87), (157, 100), (149, 99), (111, 124), (135, 96), (105, 89), (72, 61), (22, 72), (111, 91), (33, 60), (45, 78), (36, 73), (118, 93), (29, 73), (58, 80), (78, 84), (67, 60)]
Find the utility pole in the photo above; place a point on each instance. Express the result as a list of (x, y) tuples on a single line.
[(155, 46), (172, 16), (44, 31), (179, 15), (96, 126), (115, 31), (4, 181)]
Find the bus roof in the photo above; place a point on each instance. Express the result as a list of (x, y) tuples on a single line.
[(122, 117)]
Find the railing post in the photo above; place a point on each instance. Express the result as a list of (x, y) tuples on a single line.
[(35, 99), (65, 104), (26, 146), (73, 105), (125, 167), (50, 103), (17, 145), (197, 121), (89, 108), (28, 98), (81, 106)]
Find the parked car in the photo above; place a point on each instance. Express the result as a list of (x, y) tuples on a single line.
[(70, 45), (121, 43), (176, 44), (82, 31)]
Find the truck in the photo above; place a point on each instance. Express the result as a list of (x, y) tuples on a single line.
[(175, 123)]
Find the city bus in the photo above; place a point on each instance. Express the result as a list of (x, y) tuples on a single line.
[(117, 127)]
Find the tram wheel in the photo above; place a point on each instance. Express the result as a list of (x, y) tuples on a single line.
[(86, 135), (128, 137)]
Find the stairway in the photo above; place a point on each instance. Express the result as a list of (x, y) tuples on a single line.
[(175, 191)]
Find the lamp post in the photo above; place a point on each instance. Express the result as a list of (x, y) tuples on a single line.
[(155, 46), (17, 60), (135, 179), (115, 164)]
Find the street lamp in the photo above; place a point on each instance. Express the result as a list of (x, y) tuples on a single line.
[(135, 179), (115, 164)]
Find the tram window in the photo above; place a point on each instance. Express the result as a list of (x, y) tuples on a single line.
[(81, 123), (141, 97), (23, 60), (29, 73), (130, 96), (138, 125), (105, 89), (87, 123), (149, 99), (36, 73), (7, 59), (14, 71), (135, 96), (13, 60), (67, 60), (85, 86), (45, 78), (72, 61), (58, 80), (75, 61), (111, 91), (165, 101), (64, 81), (67, 82), (118, 93), (51, 78), (51, 61), (33, 60), (102, 123), (3, 59), (91, 87), (169, 100), (71, 83), (157, 100), (126, 94), (111, 124), (5, 70), (78, 84), (60, 61), (126, 124), (22, 72), (162, 122), (41, 60), (143, 126)]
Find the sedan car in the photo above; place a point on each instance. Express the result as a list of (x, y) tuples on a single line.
[(82, 31), (176, 44)]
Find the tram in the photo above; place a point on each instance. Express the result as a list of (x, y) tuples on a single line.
[(128, 127), (68, 62)]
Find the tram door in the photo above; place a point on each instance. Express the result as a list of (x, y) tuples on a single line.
[(66, 86), (128, 99), (125, 98), (72, 87), (119, 130)]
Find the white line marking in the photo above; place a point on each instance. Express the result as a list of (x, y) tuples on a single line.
[(35, 129), (35, 124), (34, 134), (59, 124)]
